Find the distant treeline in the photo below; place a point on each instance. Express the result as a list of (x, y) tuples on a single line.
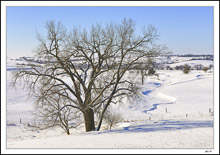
[(193, 55)]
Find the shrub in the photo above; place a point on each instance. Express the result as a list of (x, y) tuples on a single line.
[(112, 118), (205, 69), (186, 69)]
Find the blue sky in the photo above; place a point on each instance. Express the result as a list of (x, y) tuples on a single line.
[(183, 29)]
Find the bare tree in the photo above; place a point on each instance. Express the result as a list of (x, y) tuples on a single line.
[(50, 110), (76, 62)]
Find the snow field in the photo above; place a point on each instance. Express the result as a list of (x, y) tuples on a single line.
[(175, 110), (191, 138)]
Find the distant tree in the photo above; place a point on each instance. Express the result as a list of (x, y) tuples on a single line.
[(151, 65), (180, 67), (186, 69), (199, 67), (143, 74), (177, 67), (205, 69), (168, 67), (148, 69), (105, 55)]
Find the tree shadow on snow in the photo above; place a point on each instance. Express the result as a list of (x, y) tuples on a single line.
[(160, 126)]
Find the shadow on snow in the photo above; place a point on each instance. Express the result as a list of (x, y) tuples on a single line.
[(161, 126)]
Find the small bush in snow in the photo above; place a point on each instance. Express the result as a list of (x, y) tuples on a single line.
[(112, 118), (205, 69), (186, 69)]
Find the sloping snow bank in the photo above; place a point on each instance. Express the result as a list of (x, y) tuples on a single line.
[(192, 95)]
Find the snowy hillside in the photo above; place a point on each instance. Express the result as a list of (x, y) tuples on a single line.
[(205, 63), (175, 110)]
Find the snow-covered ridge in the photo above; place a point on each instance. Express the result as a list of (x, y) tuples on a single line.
[(172, 61)]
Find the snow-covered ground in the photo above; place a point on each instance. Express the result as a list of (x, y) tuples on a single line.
[(190, 138), (175, 111)]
